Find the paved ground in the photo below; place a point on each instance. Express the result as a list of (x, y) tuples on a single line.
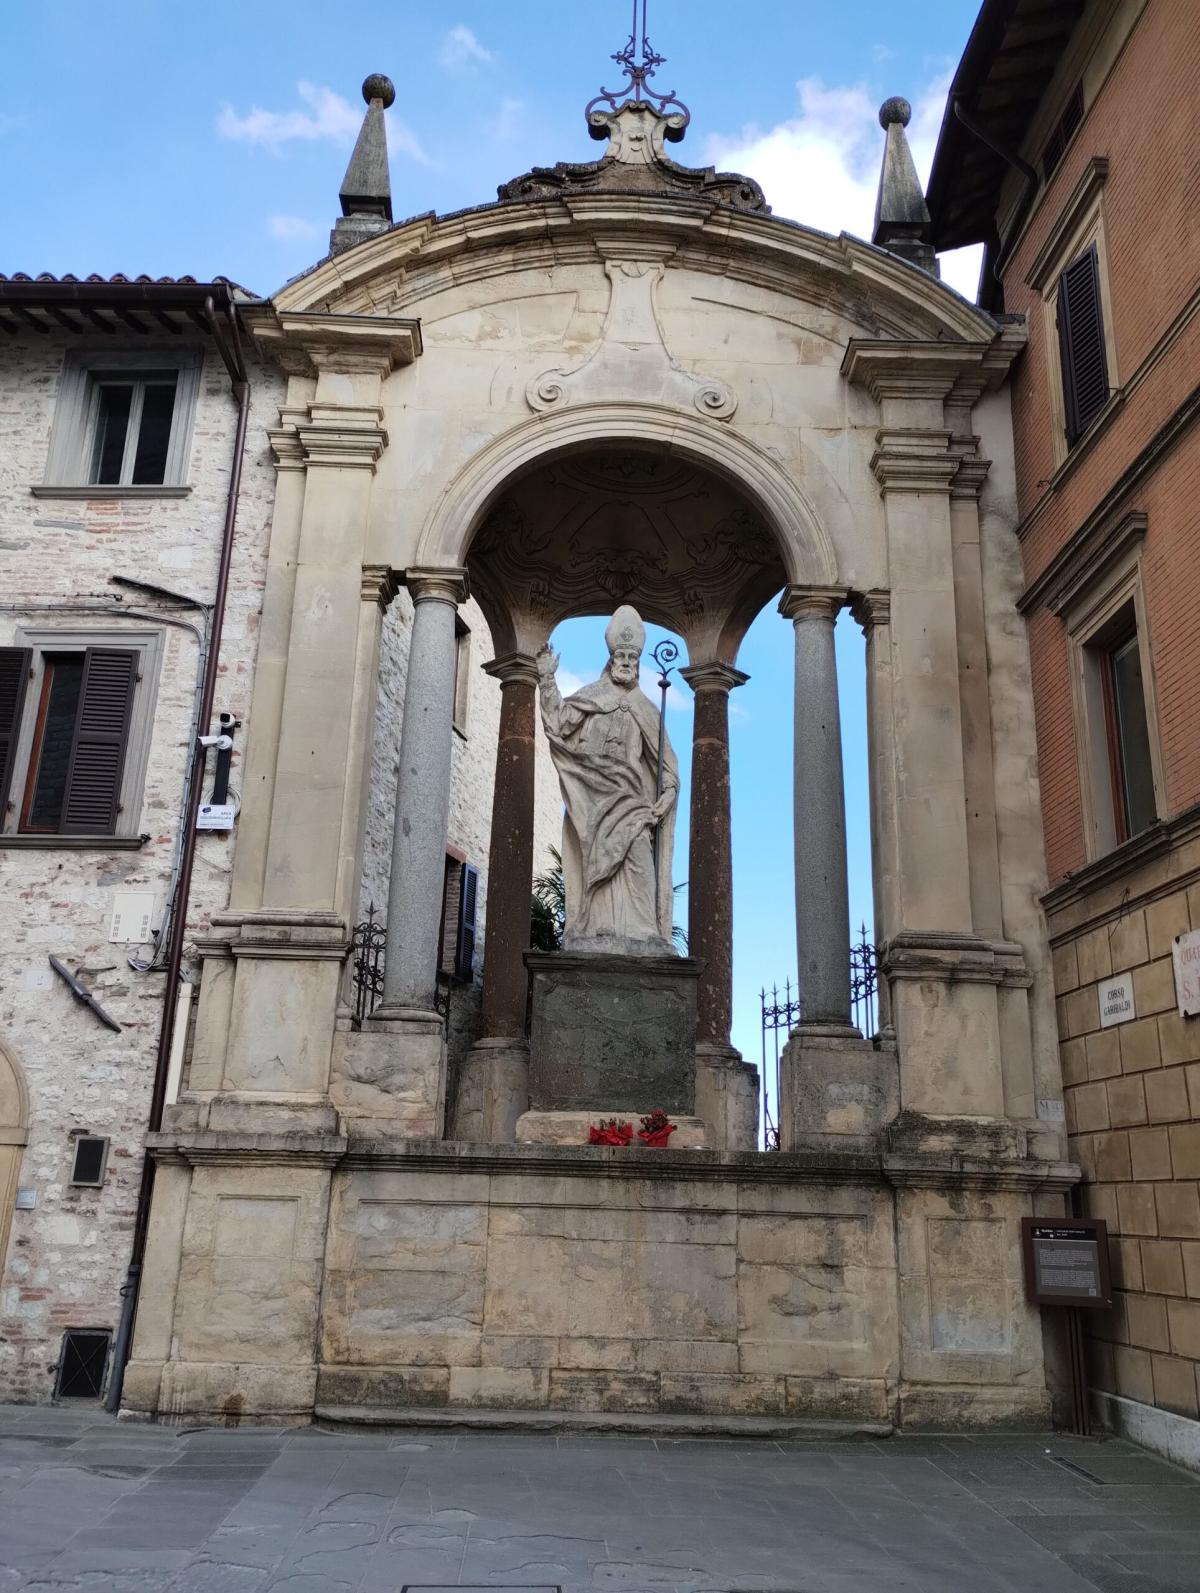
[(86, 1503)]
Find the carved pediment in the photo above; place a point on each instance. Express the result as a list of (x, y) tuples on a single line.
[(636, 162)]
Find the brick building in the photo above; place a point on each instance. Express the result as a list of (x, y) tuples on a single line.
[(1068, 151), (119, 432)]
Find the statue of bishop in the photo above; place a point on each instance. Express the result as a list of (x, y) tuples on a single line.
[(604, 740)]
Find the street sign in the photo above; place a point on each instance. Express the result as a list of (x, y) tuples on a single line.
[(1066, 1262)]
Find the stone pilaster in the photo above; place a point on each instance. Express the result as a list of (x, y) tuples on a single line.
[(726, 1086), (872, 610), (493, 1087)]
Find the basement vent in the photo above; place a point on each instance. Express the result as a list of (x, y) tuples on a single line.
[(82, 1364), (91, 1160)]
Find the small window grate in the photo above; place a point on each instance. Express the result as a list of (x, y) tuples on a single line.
[(1064, 131), (91, 1160), (82, 1363)]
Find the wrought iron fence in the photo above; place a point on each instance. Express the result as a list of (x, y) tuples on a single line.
[(783, 1010), (368, 952)]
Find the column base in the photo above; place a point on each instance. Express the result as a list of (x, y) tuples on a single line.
[(727, 1096), (492, 1092), (388, 1079), (835, 1086)]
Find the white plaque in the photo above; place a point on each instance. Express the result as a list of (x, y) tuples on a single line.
[(216, 816), (1116, 1001), (132, 917), (1051, 1111), (1186, 953), (26, 1199)]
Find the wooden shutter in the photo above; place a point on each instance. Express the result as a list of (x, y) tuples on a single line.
[(464, 951), (1081, 343), (15, 664), (98, 748)]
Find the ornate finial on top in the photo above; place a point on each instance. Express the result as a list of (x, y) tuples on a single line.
[(895, 110), (379, 87), (366, 191), (639, 61), (902, 224)]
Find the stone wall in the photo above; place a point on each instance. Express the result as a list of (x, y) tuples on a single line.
[(1133, 1115), (67, 1256)]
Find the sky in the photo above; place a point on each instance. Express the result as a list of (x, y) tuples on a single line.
[(146, 136)]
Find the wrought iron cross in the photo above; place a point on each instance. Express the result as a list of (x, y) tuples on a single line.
[(639, 60)]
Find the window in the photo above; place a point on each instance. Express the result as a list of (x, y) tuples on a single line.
[(123, 422), (462, 673), (460, 896), (1112, 682), (75, 719), (1126, 733), (1064, 131), (1080, 317), (1070, 273), (90, 1162)]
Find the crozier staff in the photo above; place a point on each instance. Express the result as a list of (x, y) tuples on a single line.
[(604, 740)]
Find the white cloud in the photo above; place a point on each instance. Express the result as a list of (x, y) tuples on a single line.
[(460, 47), (677, 702), (291, 227), (508, 121), (327, 116), (822, 166)]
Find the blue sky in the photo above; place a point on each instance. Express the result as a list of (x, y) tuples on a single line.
[(143, 135)]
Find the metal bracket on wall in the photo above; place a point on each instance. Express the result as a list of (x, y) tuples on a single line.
[(82, 994)]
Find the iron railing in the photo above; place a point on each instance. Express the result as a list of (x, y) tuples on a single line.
[(783, 1010), (368, 953)]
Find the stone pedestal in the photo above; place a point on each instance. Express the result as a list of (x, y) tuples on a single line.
[(389, 1081), (612, 1031), (727, 1089), (835, 1088)]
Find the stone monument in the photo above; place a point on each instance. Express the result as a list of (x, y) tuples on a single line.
[(613, 1029)]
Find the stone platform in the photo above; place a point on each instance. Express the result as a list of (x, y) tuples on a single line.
[(839, 1285)]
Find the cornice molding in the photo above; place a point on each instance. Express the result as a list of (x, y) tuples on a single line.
[(513, 669), (1047, 261), (380, 583), (1083, 562), (306, 342), (871, 609), (912, 369)]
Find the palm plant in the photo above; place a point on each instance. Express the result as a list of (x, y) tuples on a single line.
[(548, 910)]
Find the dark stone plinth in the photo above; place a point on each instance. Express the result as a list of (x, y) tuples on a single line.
[(612, 1031)]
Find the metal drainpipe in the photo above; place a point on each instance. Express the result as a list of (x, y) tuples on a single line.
[(229, 346), (1022, 167)]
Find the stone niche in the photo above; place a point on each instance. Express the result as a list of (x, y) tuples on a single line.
[(612, 1032)]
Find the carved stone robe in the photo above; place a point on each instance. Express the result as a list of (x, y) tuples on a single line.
[(604, 742)]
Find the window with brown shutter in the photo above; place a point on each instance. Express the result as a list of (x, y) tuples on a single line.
[(460, 895), (14, 677), (1080, 316), (80, 738)]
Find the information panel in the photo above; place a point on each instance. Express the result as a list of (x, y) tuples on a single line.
[(1066, 1262)]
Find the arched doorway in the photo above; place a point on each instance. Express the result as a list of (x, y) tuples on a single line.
[(14, 1136)]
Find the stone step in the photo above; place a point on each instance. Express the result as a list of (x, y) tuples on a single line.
[(646, 1424)]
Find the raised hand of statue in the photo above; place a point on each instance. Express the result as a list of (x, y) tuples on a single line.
[(547, 663)]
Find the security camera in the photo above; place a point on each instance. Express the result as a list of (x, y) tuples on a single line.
[(222, 743)]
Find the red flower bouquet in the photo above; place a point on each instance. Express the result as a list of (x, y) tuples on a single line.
[(610, 1133), (656, 1129)]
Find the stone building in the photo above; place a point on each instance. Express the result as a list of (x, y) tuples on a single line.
[(119, 432), (626, 381), (1068, 151)]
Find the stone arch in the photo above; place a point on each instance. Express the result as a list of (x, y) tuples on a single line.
[(805, 548), (14, 1136)]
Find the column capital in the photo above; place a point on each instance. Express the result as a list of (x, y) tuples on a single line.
[(871, 609), (813, 602), (714, 676), (510, 668), (380, 583), (437, 586)]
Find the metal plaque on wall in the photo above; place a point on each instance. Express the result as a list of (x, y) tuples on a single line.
[(1066, 1261)]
